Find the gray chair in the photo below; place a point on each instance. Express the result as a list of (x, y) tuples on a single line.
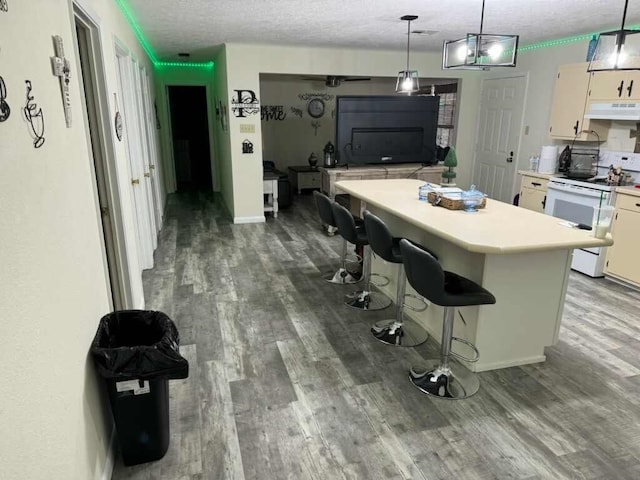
[(441, 378), (363, 299), (396, 331), (342, 275)]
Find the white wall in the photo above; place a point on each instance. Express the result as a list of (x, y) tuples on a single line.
[(53, 281)]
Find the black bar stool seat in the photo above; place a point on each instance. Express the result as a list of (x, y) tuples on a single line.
[(363, 299), (440, 378), (398, 331)]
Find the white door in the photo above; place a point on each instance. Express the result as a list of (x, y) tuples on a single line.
[(149, 108), (498, 136)]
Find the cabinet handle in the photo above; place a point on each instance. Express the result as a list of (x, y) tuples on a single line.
[(536, 184), (544, 202), (575, 128), (637, 204), (620, 88), (629, 88)]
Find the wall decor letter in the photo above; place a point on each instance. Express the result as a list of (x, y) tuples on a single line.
[(34, 116), (62, 69), (5, 111), (272, 112), (245, 103), (247, 146)]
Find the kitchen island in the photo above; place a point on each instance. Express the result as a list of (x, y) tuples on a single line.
[(522, 257)]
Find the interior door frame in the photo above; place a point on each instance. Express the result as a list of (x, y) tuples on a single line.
[(115, 256), (514, 188)]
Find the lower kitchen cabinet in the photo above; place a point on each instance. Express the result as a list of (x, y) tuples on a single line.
[(623, 261), (533, 190)]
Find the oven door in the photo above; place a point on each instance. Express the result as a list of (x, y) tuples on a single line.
[(576, 204)]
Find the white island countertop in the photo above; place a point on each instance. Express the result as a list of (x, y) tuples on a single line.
[(499, 228)]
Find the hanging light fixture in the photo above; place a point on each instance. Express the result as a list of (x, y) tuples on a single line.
[(479, 51), (617, 50), (408, 79)]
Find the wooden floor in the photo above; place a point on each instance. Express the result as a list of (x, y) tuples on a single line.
[(287, 383)]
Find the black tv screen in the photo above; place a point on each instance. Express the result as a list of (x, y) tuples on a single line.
[(386, 129)]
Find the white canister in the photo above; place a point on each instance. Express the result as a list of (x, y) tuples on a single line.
[(548, 159)]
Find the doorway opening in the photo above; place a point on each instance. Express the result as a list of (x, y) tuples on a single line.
[(190, 138), (87, 36)]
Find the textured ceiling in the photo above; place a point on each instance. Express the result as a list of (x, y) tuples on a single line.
[(198, 26)]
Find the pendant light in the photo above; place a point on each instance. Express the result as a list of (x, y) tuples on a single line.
[(408, 79), (617, 50), (479, 51)]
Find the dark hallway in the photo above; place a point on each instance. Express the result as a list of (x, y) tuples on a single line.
[(190, 132)]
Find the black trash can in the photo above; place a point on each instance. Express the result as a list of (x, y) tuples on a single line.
[(137, 352)]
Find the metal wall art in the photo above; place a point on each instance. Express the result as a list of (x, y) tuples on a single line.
[(62, 69), (296, 111), (245, 103), (272, 112), (4, 6), (5, 111), (316, 126), (34, 117), (247, 146), (308, 96)]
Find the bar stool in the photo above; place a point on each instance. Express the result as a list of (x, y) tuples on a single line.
[(363, 299), (441, 378), (397, 331), (342, 276)]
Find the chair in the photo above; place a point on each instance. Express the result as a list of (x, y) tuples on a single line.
[(342, 276), (397, 331), (363, 299), (440, 378)]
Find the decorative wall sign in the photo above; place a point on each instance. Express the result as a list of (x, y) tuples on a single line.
[(316, 126), (307, 96), (247, 146), (272, 112), (223, 118), (34, 116), (5, 111), (62, 69), (4, 6), (117, 121), (296, 111), (155, 109), (245, 103)]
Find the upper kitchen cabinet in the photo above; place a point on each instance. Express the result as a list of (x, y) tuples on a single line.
[(614, 86), (570, 99)]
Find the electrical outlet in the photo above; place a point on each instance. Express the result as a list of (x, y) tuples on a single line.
[(247, 128)]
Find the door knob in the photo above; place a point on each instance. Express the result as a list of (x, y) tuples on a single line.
[(510, 158), (135, 181)]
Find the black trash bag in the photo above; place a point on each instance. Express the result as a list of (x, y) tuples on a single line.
[(138, 344)]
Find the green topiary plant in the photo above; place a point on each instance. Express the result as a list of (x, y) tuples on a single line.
[(450, 161)]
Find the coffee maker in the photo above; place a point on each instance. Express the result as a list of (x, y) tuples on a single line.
[(329, 155)]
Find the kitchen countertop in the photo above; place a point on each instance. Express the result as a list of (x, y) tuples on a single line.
[(499, 228), (629, 191), (531, 173)]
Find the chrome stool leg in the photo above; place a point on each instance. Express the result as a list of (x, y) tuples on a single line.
[(366, 299), (400, 331), (440, 378), (342, 276)]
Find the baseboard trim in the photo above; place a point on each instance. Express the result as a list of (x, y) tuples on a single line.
[(258, 219), (109, 463)]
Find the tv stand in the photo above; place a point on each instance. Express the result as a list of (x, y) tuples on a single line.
[(417, 171)]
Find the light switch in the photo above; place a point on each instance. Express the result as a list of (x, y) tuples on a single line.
[(247, 128)]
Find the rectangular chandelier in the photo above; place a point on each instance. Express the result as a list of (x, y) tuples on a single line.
[(616, 50), (480, 51)]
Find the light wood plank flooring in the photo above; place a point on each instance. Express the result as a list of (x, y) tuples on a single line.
[(287, 383)]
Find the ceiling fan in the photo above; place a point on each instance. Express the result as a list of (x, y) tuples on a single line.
[(336, 80)]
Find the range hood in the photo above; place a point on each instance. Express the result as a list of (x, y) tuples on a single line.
[(614, 111)]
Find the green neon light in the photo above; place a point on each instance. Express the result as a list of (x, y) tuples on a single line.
[(128, 15), (564, 41)]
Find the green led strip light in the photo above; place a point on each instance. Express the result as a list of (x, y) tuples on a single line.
[(564, 41), (126, 11)]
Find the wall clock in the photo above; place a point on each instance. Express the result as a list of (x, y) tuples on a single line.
[(315, 107)]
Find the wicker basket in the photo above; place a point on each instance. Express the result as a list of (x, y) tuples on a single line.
[(450, 203)]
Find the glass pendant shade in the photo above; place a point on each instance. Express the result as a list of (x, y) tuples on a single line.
[(480, 51), (407, 81), (617, 50)]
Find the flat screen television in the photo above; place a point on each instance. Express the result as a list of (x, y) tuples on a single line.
[(386, 129)]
